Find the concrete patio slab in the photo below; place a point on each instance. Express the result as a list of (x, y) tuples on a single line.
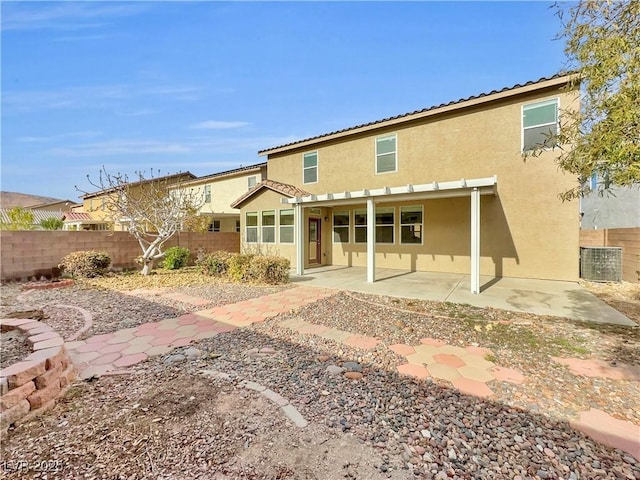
[(541, 297)]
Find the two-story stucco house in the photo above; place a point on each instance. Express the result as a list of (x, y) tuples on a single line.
[(219, 190), (444, 189)]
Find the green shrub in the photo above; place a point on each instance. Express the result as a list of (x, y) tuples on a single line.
[(85, 264), (215, 264), (176, 257), (52, 223), (268, 269), (238, 267)]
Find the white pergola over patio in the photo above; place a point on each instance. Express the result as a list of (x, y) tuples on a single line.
[(459, 188)]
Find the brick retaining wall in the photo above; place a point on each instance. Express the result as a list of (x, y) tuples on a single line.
[(627, 238), (34, 384), (25, 254)]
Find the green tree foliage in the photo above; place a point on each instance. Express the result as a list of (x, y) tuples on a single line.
[(19, 219), (52, 224), (603, 48)]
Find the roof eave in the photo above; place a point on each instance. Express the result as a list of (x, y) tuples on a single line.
[(471, 102)]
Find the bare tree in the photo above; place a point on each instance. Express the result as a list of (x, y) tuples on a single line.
[(152, 209)]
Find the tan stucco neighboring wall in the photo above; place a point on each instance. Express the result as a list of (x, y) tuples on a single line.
[(526, 231), (224, 191)]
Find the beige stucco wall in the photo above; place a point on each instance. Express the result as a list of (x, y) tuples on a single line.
[(224, 191), (526, 231)]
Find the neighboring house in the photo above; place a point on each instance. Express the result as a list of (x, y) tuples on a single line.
[(95, 203), (444, 189), (81, 221), (219, 190), (618, 208), (56, 206), (38, 216)]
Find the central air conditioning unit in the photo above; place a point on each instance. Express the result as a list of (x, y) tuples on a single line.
[(601, 264)]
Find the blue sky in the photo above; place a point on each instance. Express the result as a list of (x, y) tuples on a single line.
[(202, 86)]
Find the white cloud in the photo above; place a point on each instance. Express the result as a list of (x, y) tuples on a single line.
[(218, 125), (121, 147), (61, 136), (64, 15)]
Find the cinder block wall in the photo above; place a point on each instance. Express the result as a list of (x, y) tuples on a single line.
[(627, 238), (25, 254)]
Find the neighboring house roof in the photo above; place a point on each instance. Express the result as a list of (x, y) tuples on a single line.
[(278, 187), (249, 168), (79, 217), (63, 203), (38, 215), (147, 180), (544, 82)]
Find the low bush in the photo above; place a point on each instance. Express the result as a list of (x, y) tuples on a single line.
[(176, 257), (267, 269), (86, 264), (215, 264), (239, 266)]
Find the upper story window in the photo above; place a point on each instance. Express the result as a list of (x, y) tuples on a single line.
[(207, 194), (251, 182), (310, 167), (386, 154), (539, 124)]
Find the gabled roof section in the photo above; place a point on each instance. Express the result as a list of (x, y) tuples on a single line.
[(77, 216), (278, 187), (544, 82), (186, 175), (248, 169)]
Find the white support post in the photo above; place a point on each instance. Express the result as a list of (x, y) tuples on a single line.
[(299, 229), (371, 241), (475, 241)]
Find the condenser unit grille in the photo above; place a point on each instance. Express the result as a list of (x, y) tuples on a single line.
[(601, 264)]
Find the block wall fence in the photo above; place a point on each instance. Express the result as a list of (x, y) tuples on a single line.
[(25, 254), (627, 238)]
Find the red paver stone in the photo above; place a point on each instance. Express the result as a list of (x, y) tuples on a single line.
[(611, 431), (183, 342), (100, 338), (362, 341), (156, 342), (90, 347), (106, 359), (128, 360), (508, 375), (451, 360), (599, 368), (413, 370), (118, 347), (481, 351), (52, 342), (434, 342), (472, 387), (188, 320), (402, 349), (43, 336)]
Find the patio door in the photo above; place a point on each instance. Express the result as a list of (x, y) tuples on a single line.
[(315, 246)]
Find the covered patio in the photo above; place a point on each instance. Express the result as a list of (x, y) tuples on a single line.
[(542, 297)]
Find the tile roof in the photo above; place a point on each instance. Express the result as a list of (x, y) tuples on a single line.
[(38, 215), (568, 76), (78, 216), (188, 176), (257, 166), (278, 187)]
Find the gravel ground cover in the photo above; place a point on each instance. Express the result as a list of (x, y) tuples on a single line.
[(13, 347), (168, 420)]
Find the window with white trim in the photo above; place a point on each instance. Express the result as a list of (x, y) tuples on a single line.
[(360, 225), (310, 167), (207, 194), (539, 124), (251, 182), (411, 224), (286, 225), (214, 226), (251, 227), (238, 226), (385, 224), (269, 226), (386, 158), (341, 226)]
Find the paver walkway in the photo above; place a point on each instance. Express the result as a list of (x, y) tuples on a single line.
[(467, 369)]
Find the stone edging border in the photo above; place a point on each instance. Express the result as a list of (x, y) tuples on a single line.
[(33, 385), (47, 285), (289, 410)]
